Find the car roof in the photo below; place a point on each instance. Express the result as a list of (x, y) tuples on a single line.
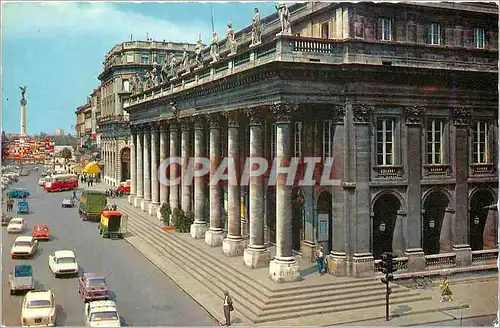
[(88, 275), (38, 295), (64, 253), (107, 305), (17, 219), (41, 225), (24, 238)]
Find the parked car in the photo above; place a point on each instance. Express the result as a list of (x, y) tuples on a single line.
[(101, 314), (5, 220), (24, 246), (16, 225), (23, 207), (63, 263), (39, 309), (21, 278), (18, 193), (68, 202), (41, 231), (92, 287), (41, 182)]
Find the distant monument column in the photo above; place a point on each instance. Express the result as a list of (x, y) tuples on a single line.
[(23, 110)]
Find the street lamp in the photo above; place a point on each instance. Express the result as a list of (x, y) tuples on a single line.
[(432, 223), (382, 227), (476, 220)]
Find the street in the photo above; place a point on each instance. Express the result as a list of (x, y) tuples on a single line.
[(143, 294)]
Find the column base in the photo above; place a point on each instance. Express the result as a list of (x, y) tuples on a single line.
[(416, 259), (145, 205), (256, 257), (464, 255), (153, 208), (308, 250), (214, 237), (337, 264), (137, 201), (362, 265), (284, 271), (233, 247), (198, 230), (131, 199)]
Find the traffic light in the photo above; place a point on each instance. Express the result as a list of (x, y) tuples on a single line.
[(394, 263), (386, 265)]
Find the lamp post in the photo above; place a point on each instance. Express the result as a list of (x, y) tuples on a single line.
[(476, 220), (382, 227)]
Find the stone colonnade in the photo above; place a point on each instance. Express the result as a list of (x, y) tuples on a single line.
[(156, 141)]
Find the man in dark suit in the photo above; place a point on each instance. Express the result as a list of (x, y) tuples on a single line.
[(228, 307)]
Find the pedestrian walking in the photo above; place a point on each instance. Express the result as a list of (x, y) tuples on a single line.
[(320, 259), (446, 293), (228, 307)]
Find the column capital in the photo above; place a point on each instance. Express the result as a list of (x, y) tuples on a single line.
[(255, 115), (214, 120), (186, 123), (163, 126), (362, 113), (133, 129), (199, 122), (461, 116), (232, 118), (140, 129), (336, 113), (413, 114), (155, 127), (283, 111)]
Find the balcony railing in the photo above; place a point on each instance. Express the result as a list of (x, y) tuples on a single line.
[(437, 170), (441, 261), (484, 256), (388, 171), (112, 119), (482, 169)]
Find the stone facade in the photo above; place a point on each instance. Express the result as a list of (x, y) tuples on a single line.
[(409, 125)]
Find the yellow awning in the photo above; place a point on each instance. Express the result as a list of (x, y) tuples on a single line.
[(91, 168)]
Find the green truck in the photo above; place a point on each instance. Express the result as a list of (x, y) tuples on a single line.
[(92, 203)]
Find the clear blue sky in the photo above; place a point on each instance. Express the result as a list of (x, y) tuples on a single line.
[(57, 49)]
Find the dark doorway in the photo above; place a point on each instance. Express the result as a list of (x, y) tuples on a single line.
[(385, 211), (298, 218), (435, 206), (477, 217), (125, 161), (271, 214), (325, 226)]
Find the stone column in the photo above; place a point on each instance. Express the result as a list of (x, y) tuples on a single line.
[(460, 155), (413, 231), (214, 235), (140, 167), (233, 245), (199, 226), (256, 255), (147, 169), (133, 166), (155, 162), (185, 154), (174, 168), (283, 268), (164, 190)]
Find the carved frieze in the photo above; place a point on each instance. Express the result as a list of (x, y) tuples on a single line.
[(362, 113), (283, 111), (461, 115), (413, 114)]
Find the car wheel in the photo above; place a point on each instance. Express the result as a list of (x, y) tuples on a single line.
[(12, 292)]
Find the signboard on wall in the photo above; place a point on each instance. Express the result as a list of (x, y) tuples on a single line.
[(323, 227)]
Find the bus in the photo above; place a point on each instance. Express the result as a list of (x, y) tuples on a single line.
[(59, 182)]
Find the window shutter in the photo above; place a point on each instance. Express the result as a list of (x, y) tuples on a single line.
[(469, 38), (378, 29), (487, 39), (429, 34)]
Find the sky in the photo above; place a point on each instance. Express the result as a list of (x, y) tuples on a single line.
[(56, 49)]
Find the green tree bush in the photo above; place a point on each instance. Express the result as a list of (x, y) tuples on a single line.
[(165, 212)]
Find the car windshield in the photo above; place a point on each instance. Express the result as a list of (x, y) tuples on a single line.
[(23, 243), (108, 315), (42, 228), (16, 221), (63, 260), (95, 282), (39, 304)]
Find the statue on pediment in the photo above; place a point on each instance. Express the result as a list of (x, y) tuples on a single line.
[(185, 59), (133, 84), (214, 47), (256, 28), (230, 38), (140, 83), (284, 15), (147, 80), (164, 72), (198, 51), (173, 63), (155, 75)]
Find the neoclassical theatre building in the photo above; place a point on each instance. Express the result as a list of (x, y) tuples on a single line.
[(403, 98)]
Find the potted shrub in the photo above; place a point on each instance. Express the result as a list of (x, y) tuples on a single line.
[(178, 219), (165, 212)]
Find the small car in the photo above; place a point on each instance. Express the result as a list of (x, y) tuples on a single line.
[(16, 225), (24, 246), (18, 193), (41, 231), (41, 182), (63, 263), (5, 220), (23, 207), (123, 190), (92, 287), (39, 309), (21, 278), (101, 314), (68, 202)]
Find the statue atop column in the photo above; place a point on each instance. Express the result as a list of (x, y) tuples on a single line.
[(164, 71), (185, 60), (256, 28), (284, 15), (214, 47), (198, 52), (23, 93), (173, 62), (230, 38)]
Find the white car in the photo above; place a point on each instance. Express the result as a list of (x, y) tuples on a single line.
[(63, 263), (101, 314), (39, 309), (16, 225), (41, 181), (24, 246)]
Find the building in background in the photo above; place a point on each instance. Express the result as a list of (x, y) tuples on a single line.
[(59, 132), (28, 149), (121, 65)]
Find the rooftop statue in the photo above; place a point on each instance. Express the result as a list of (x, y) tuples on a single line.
[(256, 28), (198, 52), (214, 47), (173, 62), (23, 91), (185, 59), (284, 15), (230, 38)]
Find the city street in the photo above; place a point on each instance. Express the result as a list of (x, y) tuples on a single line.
[(144, 295)]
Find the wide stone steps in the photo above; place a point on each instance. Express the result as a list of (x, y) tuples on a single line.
[(256, 301)]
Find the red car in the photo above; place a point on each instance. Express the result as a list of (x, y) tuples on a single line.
[(123, 189), (92, 287), (41, 232)]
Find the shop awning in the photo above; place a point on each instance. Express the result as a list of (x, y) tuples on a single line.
[(91, 168)]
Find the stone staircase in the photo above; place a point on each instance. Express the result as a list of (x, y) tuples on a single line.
[(256, 297)]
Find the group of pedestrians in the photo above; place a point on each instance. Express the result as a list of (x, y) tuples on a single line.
[(10, 204)]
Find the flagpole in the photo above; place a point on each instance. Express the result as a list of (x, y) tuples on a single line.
[(212, 17)]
